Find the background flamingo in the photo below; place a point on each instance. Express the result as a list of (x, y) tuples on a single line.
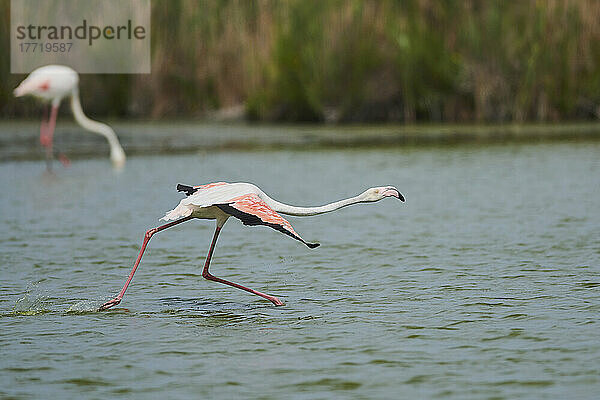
[(252, 206), (52, 83)]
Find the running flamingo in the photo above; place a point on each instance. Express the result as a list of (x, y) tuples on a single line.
[(52, 83), (252, 206)]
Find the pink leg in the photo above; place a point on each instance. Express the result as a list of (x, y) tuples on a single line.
[(47, 134), (147, 237), (44, 139), (210, 277), (44, 128)]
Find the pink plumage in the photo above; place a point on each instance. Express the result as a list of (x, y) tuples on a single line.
[(249, 204)]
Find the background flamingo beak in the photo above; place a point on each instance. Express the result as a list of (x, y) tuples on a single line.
[(18, 92), (23, 89)]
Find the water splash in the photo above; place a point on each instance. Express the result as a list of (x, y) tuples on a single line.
[(33, 303), (83, 306), (37, 301)]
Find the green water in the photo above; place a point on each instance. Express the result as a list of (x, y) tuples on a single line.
[(484, 284)]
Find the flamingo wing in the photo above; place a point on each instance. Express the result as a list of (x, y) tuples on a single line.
[(190, 190), (252, 210)]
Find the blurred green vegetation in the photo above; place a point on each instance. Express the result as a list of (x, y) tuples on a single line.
[(355, 61)]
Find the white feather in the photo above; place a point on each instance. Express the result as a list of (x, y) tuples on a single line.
[(205, 198)]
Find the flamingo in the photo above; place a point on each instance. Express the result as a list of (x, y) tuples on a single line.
[(249, 204), (52, 83)]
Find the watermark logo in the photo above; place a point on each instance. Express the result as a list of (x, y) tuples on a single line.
[(91, 36)]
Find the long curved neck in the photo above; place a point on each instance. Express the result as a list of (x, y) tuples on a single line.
[(306, 211), (117, 155)]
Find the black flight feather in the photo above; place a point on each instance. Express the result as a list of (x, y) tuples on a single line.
[(189, 190)]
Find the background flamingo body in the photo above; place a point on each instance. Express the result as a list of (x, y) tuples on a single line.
[(52, 83), (246, 202)]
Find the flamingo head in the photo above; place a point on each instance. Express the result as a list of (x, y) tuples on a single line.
[(378, 193)]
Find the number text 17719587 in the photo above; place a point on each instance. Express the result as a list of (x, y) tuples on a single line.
[(47, 47)]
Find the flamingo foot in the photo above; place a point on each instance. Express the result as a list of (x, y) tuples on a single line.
[(110, 304), (64, 160), (275, 301)]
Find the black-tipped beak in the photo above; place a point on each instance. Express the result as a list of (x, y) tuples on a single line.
[(401, 198)]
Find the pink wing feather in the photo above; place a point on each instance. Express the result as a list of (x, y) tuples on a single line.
[(210, 185), (252, 204)]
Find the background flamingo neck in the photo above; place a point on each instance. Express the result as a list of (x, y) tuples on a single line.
[(117, 155), (306, 211)]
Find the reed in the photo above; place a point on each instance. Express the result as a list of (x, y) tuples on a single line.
[(358, 61)]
